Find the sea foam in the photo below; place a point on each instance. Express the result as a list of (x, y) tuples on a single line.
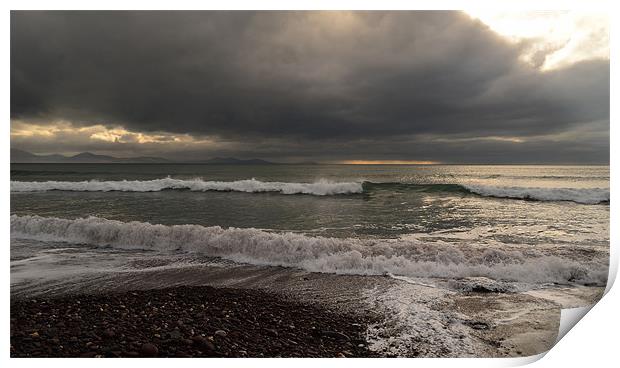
[(321, 187), (578, 195), (315, 254)]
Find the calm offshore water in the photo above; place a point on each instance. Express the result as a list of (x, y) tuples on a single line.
[(501, 222)]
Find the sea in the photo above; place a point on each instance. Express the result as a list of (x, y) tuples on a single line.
[(443, 230)]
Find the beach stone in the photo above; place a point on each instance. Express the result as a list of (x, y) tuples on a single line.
[(197, 339), (149, 350), (203, 344), (221, 333), (175, 334), (336, 335), (476, 325)]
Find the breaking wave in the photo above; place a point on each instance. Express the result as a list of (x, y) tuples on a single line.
[(315, 254), (578, 195), (322, 187)]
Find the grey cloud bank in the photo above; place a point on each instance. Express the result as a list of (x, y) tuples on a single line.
[(410, 85)]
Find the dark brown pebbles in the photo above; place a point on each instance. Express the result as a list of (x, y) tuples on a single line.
[(183, 322)]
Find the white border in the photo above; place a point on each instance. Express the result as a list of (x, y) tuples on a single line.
[(593, 341)]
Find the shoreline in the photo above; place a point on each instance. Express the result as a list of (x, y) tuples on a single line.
[(331, 315), (184, 321)]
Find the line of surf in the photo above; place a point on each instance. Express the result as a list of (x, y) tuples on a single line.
[(577, 195), (544, 194), (320, 188), (315, 254)]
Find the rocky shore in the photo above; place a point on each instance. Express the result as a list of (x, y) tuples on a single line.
[(183, 322)]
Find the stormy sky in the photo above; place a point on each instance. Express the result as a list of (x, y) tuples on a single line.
[(300, 86)]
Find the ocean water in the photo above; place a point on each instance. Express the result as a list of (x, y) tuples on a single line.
[(523, 226), (409, 243)]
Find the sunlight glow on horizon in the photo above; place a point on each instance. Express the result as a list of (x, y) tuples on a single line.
[(388, 162), (99, 132)]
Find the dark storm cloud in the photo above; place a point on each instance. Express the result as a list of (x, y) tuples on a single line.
[(313, 81)]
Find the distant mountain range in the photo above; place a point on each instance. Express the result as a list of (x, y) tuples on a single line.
[(20, 156)]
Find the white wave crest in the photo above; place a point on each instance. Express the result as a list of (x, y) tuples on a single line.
[(321, 187), (315, 254), (578, 195)]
